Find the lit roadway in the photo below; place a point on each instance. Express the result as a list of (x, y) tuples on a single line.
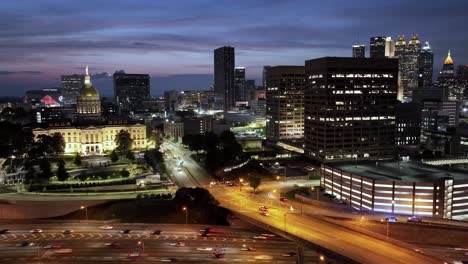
[(87, 244), (352, 244)]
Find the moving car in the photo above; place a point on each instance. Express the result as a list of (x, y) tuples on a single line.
[(245, 248), (264, 213), (391, 219), (4, 231), (36, 231), (106, 227), (53, 246), (67, 231), (260, 237), (113, 244), (283, 199), (177, 244), (25, 244), (126, 231), (268, 235), (204, 249), (156, 232), (134, 255), (263, 208), (168, 260), (289, 254), (414, 219)]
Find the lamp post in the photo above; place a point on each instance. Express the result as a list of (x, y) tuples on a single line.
[(240, 184), (186, 214), (141, 244), (86, 211), (387, 225), (291, 209)]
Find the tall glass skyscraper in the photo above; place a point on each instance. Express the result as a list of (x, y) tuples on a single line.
[(426, 65), (224, 79)]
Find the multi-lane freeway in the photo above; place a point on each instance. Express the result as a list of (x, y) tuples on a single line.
[(182, 244)]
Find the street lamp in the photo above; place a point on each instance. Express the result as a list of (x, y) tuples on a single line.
[(86, 211), (387, 225), (186, 214), (141, 244), (240, 184), (291, 209)]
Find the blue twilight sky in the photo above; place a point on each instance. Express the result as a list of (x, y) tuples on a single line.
[(173, 41)]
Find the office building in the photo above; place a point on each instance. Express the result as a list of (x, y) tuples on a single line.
[(377, 47), (403, 188), (408, 123), (430, 93), (456, 86), (71, 86), (239, 84), (389, 47), (47, 97), (170, 101), (224, 80), (198, 125), (426, 65), (408, 54), (285, 103), (359, 51), (130, 90), (350, 108), (250, 88), (174, 130)]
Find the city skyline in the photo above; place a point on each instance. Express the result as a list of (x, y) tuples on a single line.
[(40, 43)]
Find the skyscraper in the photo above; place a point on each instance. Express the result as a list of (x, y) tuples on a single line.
[(170, 101), (239, 75), (408, 55), (250, 88), (377, 47), (285, 103), (350, 108), (224, 62), (359, 51), (130, 90), (426, 65), (455, 85), (71, 86), (389, 47)]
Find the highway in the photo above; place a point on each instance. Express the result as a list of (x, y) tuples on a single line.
[(87, 244), (354, 245)]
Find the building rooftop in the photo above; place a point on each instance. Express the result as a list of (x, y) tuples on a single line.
[(408, 171)]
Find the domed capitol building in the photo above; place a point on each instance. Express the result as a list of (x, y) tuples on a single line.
[(92, 135)]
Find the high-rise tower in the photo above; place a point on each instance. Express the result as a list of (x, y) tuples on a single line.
[(426, 65), (224, 62)]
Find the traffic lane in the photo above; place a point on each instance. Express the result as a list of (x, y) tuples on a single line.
[(97, 248), (352, 244)]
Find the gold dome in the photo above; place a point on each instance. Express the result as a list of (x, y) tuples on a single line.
[(88, 90), (448, 60)]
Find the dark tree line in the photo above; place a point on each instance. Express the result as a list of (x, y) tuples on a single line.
[(220, 151)]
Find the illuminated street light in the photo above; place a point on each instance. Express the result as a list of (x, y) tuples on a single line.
[(86, 211), (186, 214), (240, 184), (141, 245)]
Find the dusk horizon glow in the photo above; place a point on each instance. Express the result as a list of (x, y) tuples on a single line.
[(174, 42)]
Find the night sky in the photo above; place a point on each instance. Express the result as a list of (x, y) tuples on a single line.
[(173, 41)]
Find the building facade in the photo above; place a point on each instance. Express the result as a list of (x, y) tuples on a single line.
[(239, 85), (90, 136), (285, 103), (71, 86), (377, 47), (224, 80), (421, 190), (130, 90), (350, 108), (359, 51), (426, 66), (408, 54)]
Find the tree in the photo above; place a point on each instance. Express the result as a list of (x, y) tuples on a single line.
[(129, 155), (124, 173), (254, 182), (113, 156), (46, 171), (124, 141), (62, 173), (57, 144), (77, 159)]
